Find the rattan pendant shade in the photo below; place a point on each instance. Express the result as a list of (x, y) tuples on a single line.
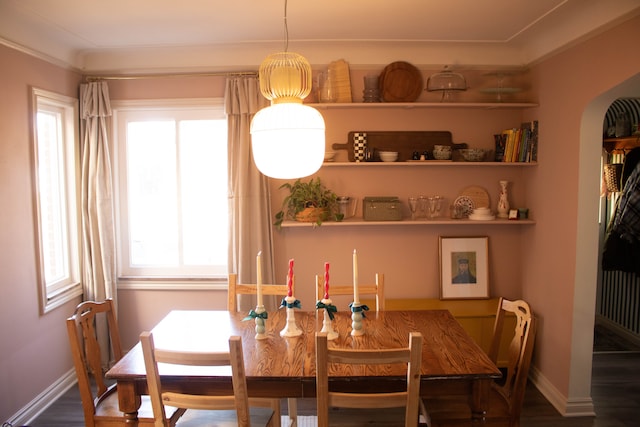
[(285, 77)]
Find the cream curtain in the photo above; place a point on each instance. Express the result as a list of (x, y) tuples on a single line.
[(249, 202), (98, 232)]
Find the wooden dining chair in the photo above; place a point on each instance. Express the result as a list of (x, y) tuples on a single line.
[(236, 289), (507, 394), (373, 289), (101, 409), (409, 398), (229, 410)]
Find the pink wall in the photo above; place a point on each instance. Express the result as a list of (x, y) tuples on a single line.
[(34, 348), (552, 263), (560, 276)]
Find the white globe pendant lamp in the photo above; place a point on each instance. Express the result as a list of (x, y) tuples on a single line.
[(287, 138)]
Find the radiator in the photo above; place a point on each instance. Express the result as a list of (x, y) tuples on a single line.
[(620, 299)]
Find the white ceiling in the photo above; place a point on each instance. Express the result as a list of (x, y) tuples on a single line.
[(126, 36)]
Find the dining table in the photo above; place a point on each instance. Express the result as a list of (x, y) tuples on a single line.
[(284, 367)]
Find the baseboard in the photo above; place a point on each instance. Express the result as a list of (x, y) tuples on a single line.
[(566, 407), (618, 329), (45, 399)]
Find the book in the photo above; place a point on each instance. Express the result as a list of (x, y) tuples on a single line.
[(532, 143), (500, 141)]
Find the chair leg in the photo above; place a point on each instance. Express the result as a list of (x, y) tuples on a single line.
[(292, 409), (426, 419)]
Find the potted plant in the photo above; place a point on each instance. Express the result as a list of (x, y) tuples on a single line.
[(307, 202)]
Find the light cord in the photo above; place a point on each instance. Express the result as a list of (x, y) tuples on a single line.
[(286, 28)]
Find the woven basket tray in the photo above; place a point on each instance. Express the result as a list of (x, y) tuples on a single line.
[(612, 174)]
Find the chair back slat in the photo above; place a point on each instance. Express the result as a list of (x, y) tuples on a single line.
[(519, 354), (236, 289), (237, 397), (411, 356), (376, 289), (88, 352)]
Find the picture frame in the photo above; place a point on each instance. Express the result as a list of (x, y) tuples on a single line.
[(464, 267)]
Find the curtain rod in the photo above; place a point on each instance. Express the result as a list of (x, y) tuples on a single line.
[(154, 76)]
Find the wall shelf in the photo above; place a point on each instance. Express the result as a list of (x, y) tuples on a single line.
[(621, 144), (411, 105), (426, 164), (408, 223)]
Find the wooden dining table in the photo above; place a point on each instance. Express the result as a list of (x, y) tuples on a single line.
[(284, 367)]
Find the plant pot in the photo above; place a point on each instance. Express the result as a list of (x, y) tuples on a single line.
[(312, 214)]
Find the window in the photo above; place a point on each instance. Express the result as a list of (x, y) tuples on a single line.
[(56, 186), (171, 167)]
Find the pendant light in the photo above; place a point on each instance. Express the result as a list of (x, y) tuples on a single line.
[(287, 138)]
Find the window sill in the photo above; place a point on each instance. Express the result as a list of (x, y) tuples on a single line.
[(169, 284)]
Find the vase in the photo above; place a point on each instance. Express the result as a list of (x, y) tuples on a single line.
[(371, 92), (503, 201), (327, 86)]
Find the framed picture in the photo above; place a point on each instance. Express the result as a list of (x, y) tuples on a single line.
[(464, 267)]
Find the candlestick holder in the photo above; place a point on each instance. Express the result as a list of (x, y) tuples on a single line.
[(327, 324), (290, 328), (261, 322), (357, 314)]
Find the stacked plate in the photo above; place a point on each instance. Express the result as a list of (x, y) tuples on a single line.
[(482, 214)]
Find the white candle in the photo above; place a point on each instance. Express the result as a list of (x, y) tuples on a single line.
[(259, 277), (356, 298)]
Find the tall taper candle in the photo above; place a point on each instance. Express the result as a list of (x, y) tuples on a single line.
[(259, 277), (356, 297), (290, 278), (326, 280)]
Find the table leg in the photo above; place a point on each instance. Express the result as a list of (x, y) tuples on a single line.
[(129, 402), (480, 390)]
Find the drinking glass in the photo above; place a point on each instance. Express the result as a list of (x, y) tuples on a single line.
[(423, 206), (413, 206), (435, 205)]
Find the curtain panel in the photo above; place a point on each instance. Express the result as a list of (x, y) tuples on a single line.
[(250, 228), (98, 230)]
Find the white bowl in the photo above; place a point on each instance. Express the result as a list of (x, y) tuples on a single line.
[(329, 156), (388, 156)]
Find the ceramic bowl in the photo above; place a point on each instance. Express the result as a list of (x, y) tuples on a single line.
[(388, 156), (473, 154), (442, 152), (329, 156)]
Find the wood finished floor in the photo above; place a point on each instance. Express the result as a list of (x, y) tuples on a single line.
[(615, 392)]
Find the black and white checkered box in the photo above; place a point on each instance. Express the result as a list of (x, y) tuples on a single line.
[(359, 145)]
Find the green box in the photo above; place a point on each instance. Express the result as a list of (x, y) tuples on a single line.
[(381, 209)]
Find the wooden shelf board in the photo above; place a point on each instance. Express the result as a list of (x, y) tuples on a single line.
[(427, 163), (407, 222), (410, 105)]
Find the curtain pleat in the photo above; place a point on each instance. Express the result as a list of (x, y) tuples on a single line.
[(98, 231), (250, 228)]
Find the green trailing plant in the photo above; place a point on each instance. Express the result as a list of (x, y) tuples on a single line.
[(303, 195)]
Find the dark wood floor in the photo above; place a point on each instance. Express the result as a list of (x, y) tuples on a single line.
[(615, 392)]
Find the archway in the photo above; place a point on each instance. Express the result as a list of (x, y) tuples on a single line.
[(588, 241)]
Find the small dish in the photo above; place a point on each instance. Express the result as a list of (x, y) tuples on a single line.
[(465, 204)]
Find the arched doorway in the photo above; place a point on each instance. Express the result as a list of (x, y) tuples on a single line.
[(588, 243)]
